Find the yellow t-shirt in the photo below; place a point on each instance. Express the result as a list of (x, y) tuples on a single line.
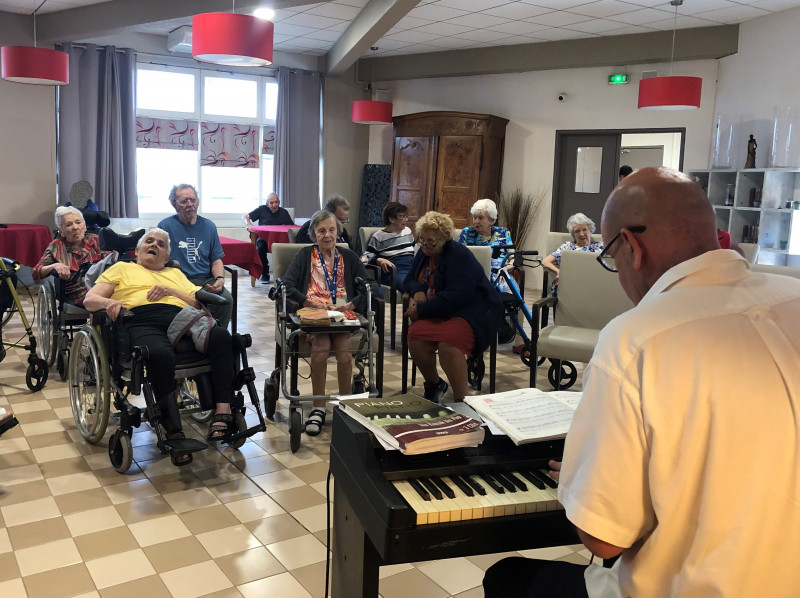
[(134, 282)]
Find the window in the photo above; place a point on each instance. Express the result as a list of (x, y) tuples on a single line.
[(205, 128)]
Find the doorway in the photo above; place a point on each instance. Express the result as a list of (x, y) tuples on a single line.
[(587, 166)]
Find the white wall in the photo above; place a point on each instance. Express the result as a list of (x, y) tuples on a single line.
[(529, 101), (761, 75)]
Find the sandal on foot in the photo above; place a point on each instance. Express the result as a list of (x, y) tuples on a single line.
[(179, 459), (220, 428), (7, 421), (315, 421)]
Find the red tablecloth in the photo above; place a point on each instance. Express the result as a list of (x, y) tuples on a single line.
[(24, 243), (242, 254), (272, 233)]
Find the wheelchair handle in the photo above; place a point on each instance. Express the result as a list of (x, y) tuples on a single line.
[(496, 249), (208, 297)]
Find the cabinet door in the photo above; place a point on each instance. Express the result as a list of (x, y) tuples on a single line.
[(458, 169), (413, 171)]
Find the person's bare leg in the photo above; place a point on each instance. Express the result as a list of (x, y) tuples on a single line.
[(344, 362), (320, 349), (424, 355), (454, 365)]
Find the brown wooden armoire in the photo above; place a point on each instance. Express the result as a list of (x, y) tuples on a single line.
[(445, 161)]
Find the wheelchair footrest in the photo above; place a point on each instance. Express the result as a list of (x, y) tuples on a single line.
[(185, 445), (247, 433)]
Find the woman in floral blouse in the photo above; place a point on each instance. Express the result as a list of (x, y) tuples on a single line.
[(581, 227)]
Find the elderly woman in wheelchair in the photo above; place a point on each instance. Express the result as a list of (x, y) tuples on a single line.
[(155, 294)]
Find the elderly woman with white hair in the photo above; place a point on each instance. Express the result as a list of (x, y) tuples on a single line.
[(64, 255), (483, 232), (581, 227)]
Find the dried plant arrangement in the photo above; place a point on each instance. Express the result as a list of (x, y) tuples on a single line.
[(517, 210)]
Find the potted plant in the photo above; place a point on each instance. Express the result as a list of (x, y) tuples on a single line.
[(517, 210)]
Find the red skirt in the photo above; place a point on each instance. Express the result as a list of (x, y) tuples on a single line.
[(455, 331)]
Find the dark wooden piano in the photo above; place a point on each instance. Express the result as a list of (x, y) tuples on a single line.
[(472, 508)]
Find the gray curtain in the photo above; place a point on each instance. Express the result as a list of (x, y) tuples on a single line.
[(297, 140), (97, 127)]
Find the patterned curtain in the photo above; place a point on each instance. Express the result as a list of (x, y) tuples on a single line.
[(166, 133), (269, 140), (230, 145)]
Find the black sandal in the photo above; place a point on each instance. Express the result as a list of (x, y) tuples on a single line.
[(315, 421), (220, 427), (7, 421), (179, 459)]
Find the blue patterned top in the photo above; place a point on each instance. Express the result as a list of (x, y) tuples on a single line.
[(595, 247), (499, 236)]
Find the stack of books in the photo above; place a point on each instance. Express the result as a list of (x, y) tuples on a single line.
[(413, 425), (312, 316)]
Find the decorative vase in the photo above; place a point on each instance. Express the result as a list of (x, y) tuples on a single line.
[(785, 151), (722, 141)]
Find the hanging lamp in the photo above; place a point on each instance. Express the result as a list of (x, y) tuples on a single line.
[(371, 112), (33, 65), (232, 40), (670, 93)]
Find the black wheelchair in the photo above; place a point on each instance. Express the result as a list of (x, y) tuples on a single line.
[(105, 369)]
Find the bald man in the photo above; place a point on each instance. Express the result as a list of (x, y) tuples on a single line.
[(269, 214), (683, 456)]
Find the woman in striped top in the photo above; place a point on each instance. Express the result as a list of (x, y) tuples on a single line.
[(392, 248)]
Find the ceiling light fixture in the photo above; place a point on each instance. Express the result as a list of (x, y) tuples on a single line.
[(32, 65), (371, 112), (264, 13), (670, 93), (232, 40)]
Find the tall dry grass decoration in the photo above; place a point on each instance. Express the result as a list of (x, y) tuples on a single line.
[(516, 211)]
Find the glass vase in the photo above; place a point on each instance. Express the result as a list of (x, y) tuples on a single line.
[(785, 151), (722, 142)]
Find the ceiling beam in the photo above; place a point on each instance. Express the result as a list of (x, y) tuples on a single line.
[(370, 25), (108, 18), (640, 48)]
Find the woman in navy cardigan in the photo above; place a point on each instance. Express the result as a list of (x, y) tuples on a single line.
[(454, 309)]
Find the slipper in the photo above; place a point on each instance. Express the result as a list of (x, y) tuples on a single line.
[(7, 421), (518, 348), (315, 421), (179, 459), (220, 428)]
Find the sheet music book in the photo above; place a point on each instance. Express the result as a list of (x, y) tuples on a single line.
[(528, 414), (412, 424)]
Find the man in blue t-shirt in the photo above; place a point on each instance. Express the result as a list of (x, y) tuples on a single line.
[(196, 247), (267, 215)]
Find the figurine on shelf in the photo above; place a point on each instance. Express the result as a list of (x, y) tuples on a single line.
[(751, 153)]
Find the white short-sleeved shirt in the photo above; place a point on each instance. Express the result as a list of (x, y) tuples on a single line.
[(686, 444)]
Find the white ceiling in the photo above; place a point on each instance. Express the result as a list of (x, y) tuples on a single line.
[(438, 25)]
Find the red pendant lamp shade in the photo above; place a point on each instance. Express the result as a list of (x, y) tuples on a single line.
[(231, 39), (670, 93), (38, 66), (371, 112)]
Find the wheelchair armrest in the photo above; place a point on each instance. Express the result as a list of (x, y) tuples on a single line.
[(101, 317), (207, 297)]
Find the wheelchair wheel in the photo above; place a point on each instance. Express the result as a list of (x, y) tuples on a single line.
[(295, 429), (569, 374), (120, 451), (271, 386), (241, 426), (36, 374), (62, 362), (88, 384), (506, 331), (190, 398), (46, 317), (525, 354), (475, 371)]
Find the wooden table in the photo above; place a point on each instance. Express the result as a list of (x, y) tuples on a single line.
[(270, 233), (24, 243)]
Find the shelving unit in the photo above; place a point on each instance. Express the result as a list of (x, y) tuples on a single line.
[(774, 221)]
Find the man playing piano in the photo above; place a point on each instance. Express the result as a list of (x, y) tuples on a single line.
[(683, 455)]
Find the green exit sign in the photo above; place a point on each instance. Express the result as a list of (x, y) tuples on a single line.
[(618, 79)]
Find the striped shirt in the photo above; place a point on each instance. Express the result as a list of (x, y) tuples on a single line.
[(389, 245)]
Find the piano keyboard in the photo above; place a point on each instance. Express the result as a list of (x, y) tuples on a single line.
[(477, 496)]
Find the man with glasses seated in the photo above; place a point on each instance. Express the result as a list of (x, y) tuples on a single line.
[(339, 207), (682, 456), (392, 248), (196, 247)]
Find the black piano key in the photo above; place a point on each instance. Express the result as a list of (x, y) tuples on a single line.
[(548, 481), (446, 490), (474, 484), (533, 479), (462, 484), (420, 490), (493, 484), (507, 484), (431, 487), (516, 481)]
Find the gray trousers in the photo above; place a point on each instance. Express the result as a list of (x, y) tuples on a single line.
[(221, 313)]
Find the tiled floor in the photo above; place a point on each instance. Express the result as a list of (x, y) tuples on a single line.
[(245, 523)]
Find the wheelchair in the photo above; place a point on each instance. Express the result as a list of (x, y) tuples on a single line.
[(104, 370), (291, 346), (57, 319)]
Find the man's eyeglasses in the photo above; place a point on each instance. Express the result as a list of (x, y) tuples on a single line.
[(607, 261), (428, 245), (187, 200)]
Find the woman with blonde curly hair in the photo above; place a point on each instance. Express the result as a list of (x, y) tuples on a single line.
[(454, 310)]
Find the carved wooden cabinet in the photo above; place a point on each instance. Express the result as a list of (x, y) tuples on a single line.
[(445, 161)]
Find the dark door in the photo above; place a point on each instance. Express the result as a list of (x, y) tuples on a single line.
[(458, 168), (413, 174), (587, 169)]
